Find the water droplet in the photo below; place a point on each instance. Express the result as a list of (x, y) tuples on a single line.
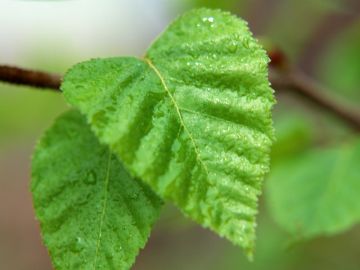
[(90, 178), (78, 245), (71, 133), (109, 255), (233, 46), (208, 19), (79, 86), (134, 195)]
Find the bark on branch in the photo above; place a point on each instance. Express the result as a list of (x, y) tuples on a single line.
[(21, 76), (303, 85)]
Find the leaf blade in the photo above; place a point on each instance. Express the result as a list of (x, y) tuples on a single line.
[(84, 201), (199, 136), (326, 184)]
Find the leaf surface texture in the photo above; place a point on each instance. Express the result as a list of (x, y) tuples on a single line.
[(93, 215), (192, 119)]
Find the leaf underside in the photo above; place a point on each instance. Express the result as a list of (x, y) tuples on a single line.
[(317, 193), (192, 119), (93, 215)]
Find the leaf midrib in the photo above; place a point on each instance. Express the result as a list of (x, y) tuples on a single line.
[(106, 185), (181, 119)]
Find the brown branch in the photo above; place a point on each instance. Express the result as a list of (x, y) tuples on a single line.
[(285, 76), (28, 77), (301, 84), (282, 78)]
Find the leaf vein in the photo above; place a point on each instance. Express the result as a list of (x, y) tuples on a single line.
[(103, 210), (182, 123)]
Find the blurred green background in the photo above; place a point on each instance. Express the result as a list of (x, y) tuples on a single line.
[(322, 37)]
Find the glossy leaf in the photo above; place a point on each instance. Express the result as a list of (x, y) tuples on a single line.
[(93, 215), (317, 193), (192, 119)]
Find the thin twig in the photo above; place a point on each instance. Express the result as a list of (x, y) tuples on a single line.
[(28, 77), (282, 78), (301, 84)]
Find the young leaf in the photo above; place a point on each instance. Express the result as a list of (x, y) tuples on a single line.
[(317, 193), (192, 119), (93, 215)]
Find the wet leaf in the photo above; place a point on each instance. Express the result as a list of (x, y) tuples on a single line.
[(192, 119), (93, 215)]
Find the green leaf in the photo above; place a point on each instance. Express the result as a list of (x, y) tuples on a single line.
[(294, 135), (93, 215), (317, 193), (192, 119)]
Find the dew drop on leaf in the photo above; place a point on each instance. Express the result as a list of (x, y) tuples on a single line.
[(90, 178)]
